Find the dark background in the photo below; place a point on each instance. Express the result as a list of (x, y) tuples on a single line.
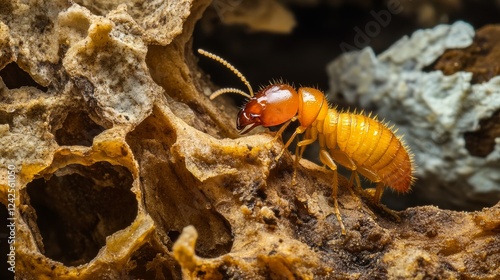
[(301, 56)]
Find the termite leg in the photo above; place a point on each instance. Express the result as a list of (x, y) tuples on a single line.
[(347, 162), (298, 131), (354, 181), (282, 128), (298, 156), (378, 193), (302, 146), (326, 159), (299, 150), (376, 198)]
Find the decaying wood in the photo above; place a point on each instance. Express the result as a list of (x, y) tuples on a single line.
[(126, 169)]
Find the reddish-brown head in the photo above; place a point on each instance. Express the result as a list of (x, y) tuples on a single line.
[(273, 105)]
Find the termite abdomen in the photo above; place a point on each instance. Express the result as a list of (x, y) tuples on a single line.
[(375, 150)]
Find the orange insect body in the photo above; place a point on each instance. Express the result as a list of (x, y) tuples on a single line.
[(356, 141), (377, 153), (360, 143)]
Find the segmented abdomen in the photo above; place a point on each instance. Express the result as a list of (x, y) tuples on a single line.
[(371, 145)]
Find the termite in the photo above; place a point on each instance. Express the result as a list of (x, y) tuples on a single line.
[(356, 141)]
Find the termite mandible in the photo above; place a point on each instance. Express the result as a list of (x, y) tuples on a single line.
[(356, 141)]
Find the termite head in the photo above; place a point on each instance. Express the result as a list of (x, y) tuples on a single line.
[(271, 106)]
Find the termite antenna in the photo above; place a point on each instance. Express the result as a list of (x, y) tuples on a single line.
[(221, 91), (234, 70)]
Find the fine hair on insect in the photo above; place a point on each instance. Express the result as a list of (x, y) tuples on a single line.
[(359, 142)]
